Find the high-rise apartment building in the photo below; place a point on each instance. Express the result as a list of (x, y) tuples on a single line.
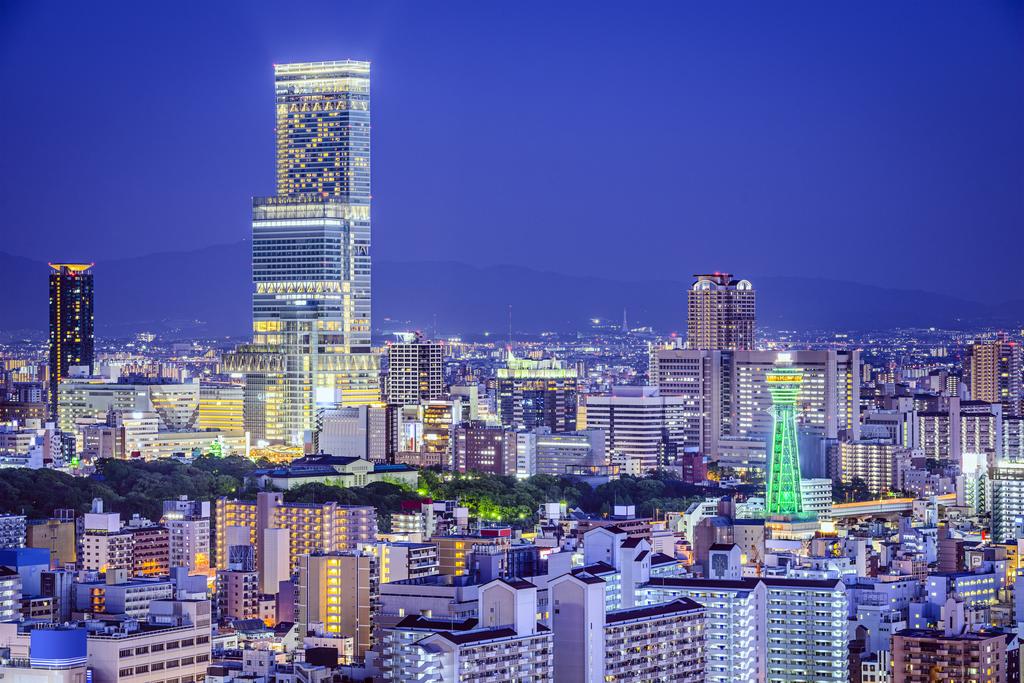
[(415, 372), (994, 368), (336, 595), (188, 526), (311, 258), (926, 655), (310, 528), (1007, 501), (720, 313), (71, 322), (873, 461)]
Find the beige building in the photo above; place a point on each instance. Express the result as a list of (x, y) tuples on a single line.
[(312, 529), (105, 545), (720, 313), (925, 656), (57, 536), (336, 595)]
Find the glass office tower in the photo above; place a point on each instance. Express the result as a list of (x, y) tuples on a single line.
[(311, 258), (71, 323), (323, 129)]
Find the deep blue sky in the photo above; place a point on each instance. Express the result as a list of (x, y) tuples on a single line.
[(881, 142)]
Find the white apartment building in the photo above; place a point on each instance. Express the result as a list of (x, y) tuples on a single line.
[(805, 631), (506, 642), (188, 530), (816, 495), (175, 645)]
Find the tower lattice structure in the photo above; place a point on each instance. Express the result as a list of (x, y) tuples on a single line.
[(784, 494)]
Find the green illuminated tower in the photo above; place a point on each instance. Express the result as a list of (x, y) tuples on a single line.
[(784, 496)]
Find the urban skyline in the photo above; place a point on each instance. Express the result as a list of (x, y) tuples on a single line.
[(330, 498), (730, 144)]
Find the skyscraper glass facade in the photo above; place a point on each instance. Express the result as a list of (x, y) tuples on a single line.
[(311, 257), (323, 129), (71, 322)]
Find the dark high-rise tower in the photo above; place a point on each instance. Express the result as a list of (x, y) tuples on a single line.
[(71, 322)]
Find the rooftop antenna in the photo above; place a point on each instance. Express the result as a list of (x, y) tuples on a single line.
[(510, 326), (625, 326)]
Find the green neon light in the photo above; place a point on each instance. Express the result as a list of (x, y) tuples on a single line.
[(784, 494)]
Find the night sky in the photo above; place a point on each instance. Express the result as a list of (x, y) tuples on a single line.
[(880, 142)]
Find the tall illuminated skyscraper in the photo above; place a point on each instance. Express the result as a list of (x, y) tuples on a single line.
[(311, 257), (71, 322), (323, 129), (784, 492), (720, 313)]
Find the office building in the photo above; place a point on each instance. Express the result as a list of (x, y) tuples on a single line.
[(695, 375), (118, 594), (489, 449), (994, 369), (221, 408), (565, 452), (439, 419), (537, 393), (828, 401), (643, 430), (726, 396), (354, 431), (71, 323), (415, 372), (311, 258), (311, 316), (720, 313), (337, 594), (173, 642), (323, 129)]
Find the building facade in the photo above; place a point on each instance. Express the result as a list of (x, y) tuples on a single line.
[(720, 313), (71, 323)]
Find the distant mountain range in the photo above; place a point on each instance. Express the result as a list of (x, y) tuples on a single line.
[(208, 291)]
